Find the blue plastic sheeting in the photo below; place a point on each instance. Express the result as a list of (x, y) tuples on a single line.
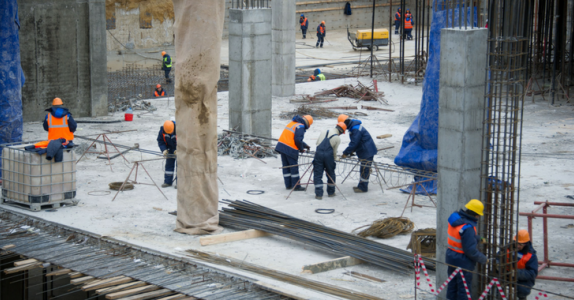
[(420, 142), (11, 75)]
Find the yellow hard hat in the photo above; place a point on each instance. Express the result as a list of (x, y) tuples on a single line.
[(57, 101), (309, 119), (475, 206), (168, 127), (342, 118), (523, 236)]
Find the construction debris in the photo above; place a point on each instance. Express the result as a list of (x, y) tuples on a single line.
[(375, 108), (387, 228), (308, 99), (122, 104), (360, 92), (423, 242), (319, 112), (243, 146)]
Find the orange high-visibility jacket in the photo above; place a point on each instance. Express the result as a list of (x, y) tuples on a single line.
[(454, 238), (288, 135), (58, 128)]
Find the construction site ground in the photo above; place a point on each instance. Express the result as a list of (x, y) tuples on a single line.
[(140, 216)]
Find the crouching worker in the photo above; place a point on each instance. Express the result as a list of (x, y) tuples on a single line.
[(167, 142), (289, 145), (527, 267), (317, 76), (325, 157), (159, 91)]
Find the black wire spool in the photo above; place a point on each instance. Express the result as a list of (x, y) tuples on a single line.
[(325, 211), (255, 192), (118, 184)]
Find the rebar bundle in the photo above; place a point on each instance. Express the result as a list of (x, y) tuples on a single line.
[(241, 146), (360, 92), (387, 228), (122, 104)]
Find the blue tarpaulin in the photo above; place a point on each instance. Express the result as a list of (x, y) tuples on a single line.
[(420, 142), (11, 75)]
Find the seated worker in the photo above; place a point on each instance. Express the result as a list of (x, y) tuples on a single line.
[(362, 143), (167, 142), (289, 145), (59, 122), (324, 160), (317, 75), (159, 91)]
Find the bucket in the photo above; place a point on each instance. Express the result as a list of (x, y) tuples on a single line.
[(129, 117)]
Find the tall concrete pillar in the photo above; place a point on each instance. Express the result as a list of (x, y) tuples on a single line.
[(462, 79), (283, 23), (98, 57), (250, 71)]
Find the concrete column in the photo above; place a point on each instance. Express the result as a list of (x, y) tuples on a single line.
[(283, 24), (462, 74), (98, 58), (250, 71)]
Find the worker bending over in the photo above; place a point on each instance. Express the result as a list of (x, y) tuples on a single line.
[(317, 76), (325, 157), (362, 143), (527, 266), (462, 248), (159, 91), (304, 25), (59, 122), (289, 145), (167, 142), (166, 65), (321, 34)]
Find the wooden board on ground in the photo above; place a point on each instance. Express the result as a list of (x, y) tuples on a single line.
[(82, 280), (59, 272), (143, 289), (75, 275), (149, 295), (175, 297), (24, 262), (121, 287), (232, 237), (342, 262), (10, 246), (384, 136), (106, 283), (23, 268)]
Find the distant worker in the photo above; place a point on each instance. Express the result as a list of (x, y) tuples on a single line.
[(317, 76), (166, 65), (167, 142), (289, 145), (325, 157), (362, 143), (408, 29), (462, 247), (321, 34), (527, 264), (304, 25), (397, 20), (408, 14), (159, 91), (59, 122)]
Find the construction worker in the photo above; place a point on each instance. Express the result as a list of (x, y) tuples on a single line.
[(167, 142), (289, 145), (159, 91), (166, 65), (462, 247), (408, 14), (362, 143), (397, 20), (304, 25), (325, 157), (527, 266), (59, 122), (321, 34), (408, 29), (317, 75)]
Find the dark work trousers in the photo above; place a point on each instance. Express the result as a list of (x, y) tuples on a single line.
[(290, 175), (365, 172), (169, 169), (324, 161), (455, 289), (304, 31), (167, 73), (397, 25), (320, 40), (408, 34)]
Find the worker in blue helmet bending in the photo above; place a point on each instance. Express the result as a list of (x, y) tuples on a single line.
[(317, 76)]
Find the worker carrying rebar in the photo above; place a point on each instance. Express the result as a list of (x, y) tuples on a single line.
[(166, 65), (59, 122), (324, 160), (317, 76), (361, 143), (527, 266), (304, 25), (167, 142), (408, 29), (397, 20), (159, 91), (321, 34), (462, 248), (289, 145)]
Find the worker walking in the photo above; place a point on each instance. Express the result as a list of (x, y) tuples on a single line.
[(462, 248), (397, 20), (527, 266), (408, 29), (325, 157), (362, 143), (304, 25), (59, 122), (317, 76), (167, 142), (289, 145), (321, 34), (166, 65), (159, 91)]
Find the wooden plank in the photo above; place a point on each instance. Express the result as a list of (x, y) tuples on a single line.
[(10, 246), (75, 275), (175, 297), (23, 268), (97, 282), (232, 237), (342, 262), (143, 289), (384, 136), (149, 295), (121, 287), (24, 262), (104, 284), (59, 272), (82, 280)]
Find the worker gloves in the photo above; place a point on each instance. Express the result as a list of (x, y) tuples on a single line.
[(165, 152), (344, 156)]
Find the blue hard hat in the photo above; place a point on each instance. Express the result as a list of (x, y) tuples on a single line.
[(408, 9), (302, 15), (317, 72)]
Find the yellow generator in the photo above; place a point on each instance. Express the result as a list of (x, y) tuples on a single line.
[(362, 39)]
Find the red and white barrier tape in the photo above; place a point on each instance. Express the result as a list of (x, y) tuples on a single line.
[(489, 286)]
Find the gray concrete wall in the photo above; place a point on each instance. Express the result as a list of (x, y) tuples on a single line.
[(250, 71), (63, 49), (462, 71), (283, 38)]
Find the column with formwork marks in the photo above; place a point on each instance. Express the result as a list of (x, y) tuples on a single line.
[(283, 24), (250, 71)]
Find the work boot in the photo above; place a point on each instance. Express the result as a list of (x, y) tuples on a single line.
[(318, 197), (299, 188), (165, 185), (332, 195), (356, 189), (288, 188)]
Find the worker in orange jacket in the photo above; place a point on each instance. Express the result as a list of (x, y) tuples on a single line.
[(397, 20), (289, 145), (321, 34), (59, 122), (159, 91), (408, 29)]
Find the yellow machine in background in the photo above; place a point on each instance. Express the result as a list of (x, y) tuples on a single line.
[(362, 39)]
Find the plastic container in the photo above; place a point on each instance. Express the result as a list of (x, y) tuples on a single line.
[(129, 116)]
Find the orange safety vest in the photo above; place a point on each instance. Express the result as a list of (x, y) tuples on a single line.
[(58, 128), (454, 238), (397, 16), (408, 24), (522, 259), (322, 29), (303, 22), (42, 144), (288, 135), (162, 93), (165, 140)]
